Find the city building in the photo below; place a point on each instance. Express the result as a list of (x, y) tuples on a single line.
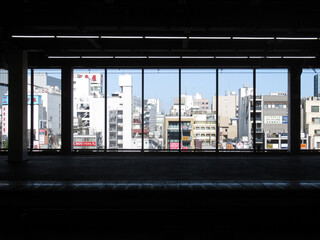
[(228, 113), (46, 113), (88, 111), (172, 133), (204, 131), (275, 120), (120, 116), (271, 119), (311, 121), (203, 104)]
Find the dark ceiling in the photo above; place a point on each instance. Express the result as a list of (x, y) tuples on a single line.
[(177, 18)]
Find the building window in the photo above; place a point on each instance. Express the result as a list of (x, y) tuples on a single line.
[(316, 120), (314, 108)]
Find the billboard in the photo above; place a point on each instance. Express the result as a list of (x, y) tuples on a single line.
[(174, 145), (87, 144), (4, 120), (276, 119), (94, 78), (36, 100)]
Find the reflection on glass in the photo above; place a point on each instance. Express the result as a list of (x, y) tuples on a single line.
[(272, 99), (198, 120), (235, 113), (124, 104), (88, 109), (4, 108), (161, 109), (310, 105)]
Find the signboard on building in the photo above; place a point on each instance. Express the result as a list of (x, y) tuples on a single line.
[(5, 120), (5, 100), (41, 136), (87, 144), (36, 100), (174, 145), (284, 119), (275, 119), (94, 78), (185, 138)]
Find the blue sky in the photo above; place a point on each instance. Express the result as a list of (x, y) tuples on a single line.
[(164, 83)]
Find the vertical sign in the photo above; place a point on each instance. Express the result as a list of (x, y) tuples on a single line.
[(5, 120)]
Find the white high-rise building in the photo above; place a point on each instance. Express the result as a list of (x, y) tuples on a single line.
[(120, 115), (88, 111)]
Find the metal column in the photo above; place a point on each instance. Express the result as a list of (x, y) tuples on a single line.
[(67, 109), (294, 108)]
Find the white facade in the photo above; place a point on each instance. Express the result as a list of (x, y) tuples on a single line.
[(311, 119), (88, 108), (120, 115)]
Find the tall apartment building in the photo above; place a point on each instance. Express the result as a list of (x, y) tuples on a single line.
[(227, 115), (120, 115), (88, 111)]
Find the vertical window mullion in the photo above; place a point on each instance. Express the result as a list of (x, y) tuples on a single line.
[(31, 110), (217, 110), (180, 132), (142, 111), (105, 109), (254, 111)]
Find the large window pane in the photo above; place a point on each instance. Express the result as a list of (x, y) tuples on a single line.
[(310, 105), (46, 108), (198, 89), (161, 97), (88, 109), (235, 114), (272, 88), (4, 108), (124, 115)]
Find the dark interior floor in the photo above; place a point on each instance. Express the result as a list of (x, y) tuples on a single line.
[(235, 167), (161, 197)]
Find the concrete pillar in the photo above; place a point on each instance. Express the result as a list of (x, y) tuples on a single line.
[(18, 139), (67, 109), (294, 108)]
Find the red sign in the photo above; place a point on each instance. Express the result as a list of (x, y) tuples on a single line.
[(174, 145), (84, 144)]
